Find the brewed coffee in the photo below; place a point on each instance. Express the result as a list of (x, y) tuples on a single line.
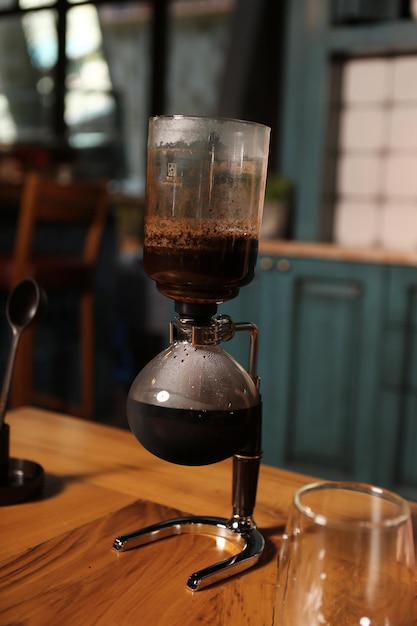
[(198, 262), (189, 437)]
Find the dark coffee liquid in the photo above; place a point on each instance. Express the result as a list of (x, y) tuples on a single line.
[(189, 437), (204, 270)]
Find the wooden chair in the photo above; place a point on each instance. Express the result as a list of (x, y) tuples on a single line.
[(48, 201)]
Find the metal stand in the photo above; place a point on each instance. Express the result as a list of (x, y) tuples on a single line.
[(240, 529)]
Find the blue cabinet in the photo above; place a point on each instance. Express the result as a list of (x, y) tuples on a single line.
[(322, 331), (397, 462)]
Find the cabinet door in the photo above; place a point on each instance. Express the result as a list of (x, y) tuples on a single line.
[(324, 320), (319, 329), (398, 435)]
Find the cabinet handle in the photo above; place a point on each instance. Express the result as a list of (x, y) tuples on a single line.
[(283, 265), (265, 263)]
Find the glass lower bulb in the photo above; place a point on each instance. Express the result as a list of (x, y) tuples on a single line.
[(192, 405)]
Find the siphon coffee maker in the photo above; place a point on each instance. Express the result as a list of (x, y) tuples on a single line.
[(194, 404)]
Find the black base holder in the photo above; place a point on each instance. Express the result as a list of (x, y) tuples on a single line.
[(20, 480)]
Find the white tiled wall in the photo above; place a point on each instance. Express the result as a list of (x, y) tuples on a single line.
[(376, 183)]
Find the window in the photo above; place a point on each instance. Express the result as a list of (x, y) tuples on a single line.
[(51, 99), (80, 74), (376, 182), (351, 172)]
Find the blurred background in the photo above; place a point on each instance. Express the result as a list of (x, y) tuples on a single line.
[(82, 78), (335, 292), (78, 82)]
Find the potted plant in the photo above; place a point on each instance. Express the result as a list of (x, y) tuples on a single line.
[(278, 199)]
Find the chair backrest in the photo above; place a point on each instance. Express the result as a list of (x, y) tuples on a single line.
[(51, 201)]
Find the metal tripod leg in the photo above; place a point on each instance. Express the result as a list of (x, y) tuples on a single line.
[(246, 536)]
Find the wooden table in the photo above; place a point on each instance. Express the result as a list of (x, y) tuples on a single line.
[(57, 561)]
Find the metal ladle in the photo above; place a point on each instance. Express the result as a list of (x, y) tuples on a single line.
[(20, 480)]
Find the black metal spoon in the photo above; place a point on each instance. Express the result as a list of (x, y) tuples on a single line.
[(25, 304)]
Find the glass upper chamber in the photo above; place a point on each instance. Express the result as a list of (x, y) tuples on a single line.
[(204, 199)]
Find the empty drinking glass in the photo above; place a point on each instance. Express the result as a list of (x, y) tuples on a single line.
[(347, 558)]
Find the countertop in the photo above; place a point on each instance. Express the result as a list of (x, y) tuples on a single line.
[(334, 252), (57, 561)]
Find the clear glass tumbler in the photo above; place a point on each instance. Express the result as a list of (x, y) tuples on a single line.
[(347, 558)]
